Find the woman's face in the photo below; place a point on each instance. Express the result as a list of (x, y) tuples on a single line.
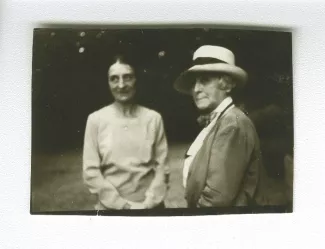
[(121, 80)]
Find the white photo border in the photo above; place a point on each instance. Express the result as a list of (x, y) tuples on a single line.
[(301, 228)]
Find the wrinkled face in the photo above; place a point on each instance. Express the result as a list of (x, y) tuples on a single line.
[(121, 80), (206, 92)]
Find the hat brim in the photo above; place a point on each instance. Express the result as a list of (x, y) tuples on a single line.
[(185, 81)]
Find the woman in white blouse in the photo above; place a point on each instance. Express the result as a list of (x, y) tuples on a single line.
[(125, 147)]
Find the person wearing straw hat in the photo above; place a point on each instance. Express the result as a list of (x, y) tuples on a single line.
[(223, 166)]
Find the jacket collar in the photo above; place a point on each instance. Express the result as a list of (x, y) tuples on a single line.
[(223, 105)]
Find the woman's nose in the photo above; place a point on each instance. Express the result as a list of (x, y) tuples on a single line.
[(121, 83), (197, 87)]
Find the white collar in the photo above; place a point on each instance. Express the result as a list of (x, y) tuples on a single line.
[(227, 103), (223, 105)]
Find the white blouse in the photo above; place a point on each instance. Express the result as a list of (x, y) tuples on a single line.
[(124, 159)]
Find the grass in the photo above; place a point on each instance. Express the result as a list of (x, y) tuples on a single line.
[(57, 182)]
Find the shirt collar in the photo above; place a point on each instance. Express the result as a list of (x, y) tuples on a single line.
[(223, 105)]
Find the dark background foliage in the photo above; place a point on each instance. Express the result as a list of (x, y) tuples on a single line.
[(69, 81)]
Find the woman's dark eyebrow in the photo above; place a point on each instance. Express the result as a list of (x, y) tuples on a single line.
[(122, 74)]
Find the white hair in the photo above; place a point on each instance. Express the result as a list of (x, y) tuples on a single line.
[(226, 82)]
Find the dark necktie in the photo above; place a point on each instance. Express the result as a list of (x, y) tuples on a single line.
[(205, 120)]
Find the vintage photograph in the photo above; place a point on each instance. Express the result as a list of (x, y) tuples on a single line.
[(161, 120)]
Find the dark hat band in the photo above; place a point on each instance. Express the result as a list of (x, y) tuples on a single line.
[(206, 60)]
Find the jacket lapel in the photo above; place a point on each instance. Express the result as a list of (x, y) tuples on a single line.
[(199, 169)]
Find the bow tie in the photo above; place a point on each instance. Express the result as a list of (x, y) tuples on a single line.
[(205, 120)]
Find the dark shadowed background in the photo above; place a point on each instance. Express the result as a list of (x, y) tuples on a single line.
[(69, 82)]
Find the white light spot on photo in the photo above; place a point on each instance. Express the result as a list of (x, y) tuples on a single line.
[(82, 34), (52, 34), (81, 50), (161, 54)]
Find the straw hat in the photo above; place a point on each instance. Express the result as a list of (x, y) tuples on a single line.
[(210, 59)]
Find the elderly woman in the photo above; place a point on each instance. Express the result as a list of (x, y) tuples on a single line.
[(125, 148)]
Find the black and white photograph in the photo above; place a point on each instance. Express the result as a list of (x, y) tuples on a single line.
[(154, 120)]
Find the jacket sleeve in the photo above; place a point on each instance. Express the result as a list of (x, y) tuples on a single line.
[(156, 192), (230, 154), (107, 193)]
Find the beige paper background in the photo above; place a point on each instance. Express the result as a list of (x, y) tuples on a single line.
[(303, 228)]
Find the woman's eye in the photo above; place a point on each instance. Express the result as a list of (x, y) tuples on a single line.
[(203, 79), (128, 77), (113, 78)]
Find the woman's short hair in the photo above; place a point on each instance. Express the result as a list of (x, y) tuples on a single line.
[(226, 82)]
